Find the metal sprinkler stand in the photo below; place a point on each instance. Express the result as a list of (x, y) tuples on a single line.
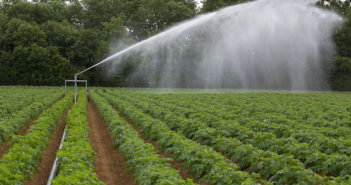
[(75, 81)]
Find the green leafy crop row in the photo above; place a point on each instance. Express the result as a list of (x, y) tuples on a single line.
[(14, 99), (147, 166), (335, 164), (12, 124), (306, 122), (308, 127), (202, 117), (22, 159), (277, 168), (308, 111), (325, 114), (76, 157), (201, 160)]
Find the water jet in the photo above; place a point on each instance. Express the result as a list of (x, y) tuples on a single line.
[(265, 44)]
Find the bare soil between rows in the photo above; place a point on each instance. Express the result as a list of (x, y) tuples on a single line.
[(184, 173), (49, 155), (109, 162)]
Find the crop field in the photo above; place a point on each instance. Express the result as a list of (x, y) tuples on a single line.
[(161, 136)]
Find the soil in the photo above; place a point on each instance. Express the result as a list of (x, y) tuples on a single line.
[(25, 129), (176, 165), (43, 172), (109, 163)]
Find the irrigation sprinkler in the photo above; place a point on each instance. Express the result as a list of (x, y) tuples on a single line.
[(75, 81), (55, 165)]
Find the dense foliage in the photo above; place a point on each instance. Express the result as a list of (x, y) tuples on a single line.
[(76, 157), (202, 161), (341, 74), (16, 109), (221, 137), (45, 42), (212, 5), (13, 100), (22, 160), (282, 137), (142, 158)]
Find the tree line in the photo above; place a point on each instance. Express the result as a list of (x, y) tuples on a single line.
[(44, 42), (340, 75)]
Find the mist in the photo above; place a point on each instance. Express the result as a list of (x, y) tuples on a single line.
[(265, 44)]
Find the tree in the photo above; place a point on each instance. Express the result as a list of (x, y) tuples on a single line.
[(213, 5), (114, 29), (37, 65), (6, 71), (146, 17), (163, 13), (341, 74), (3, 23), (62, 35), (76, 14), (38, 12), (88, 49), (27, 34), (48, 40)]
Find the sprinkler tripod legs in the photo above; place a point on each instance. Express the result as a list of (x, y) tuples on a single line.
[(75, 89)]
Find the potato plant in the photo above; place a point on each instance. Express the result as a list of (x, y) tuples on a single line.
[(22, 160)]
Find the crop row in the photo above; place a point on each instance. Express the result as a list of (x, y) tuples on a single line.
[(148, 167), (335, 164), (275, 112), (22, 159), (320, 137), (278, 120), (278, 168), (282, 134), (261, 110), (315, 109), (199, 159), (13, 99), (17, 120), (76, 157), (316, 112)]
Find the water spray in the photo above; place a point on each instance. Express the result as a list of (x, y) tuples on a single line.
[(266, 44)]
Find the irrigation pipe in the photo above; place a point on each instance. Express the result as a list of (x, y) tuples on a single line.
[(55, 166)]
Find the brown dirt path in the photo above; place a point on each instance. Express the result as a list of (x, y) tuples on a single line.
[(176, 165), (43, 172), (109, 163)]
